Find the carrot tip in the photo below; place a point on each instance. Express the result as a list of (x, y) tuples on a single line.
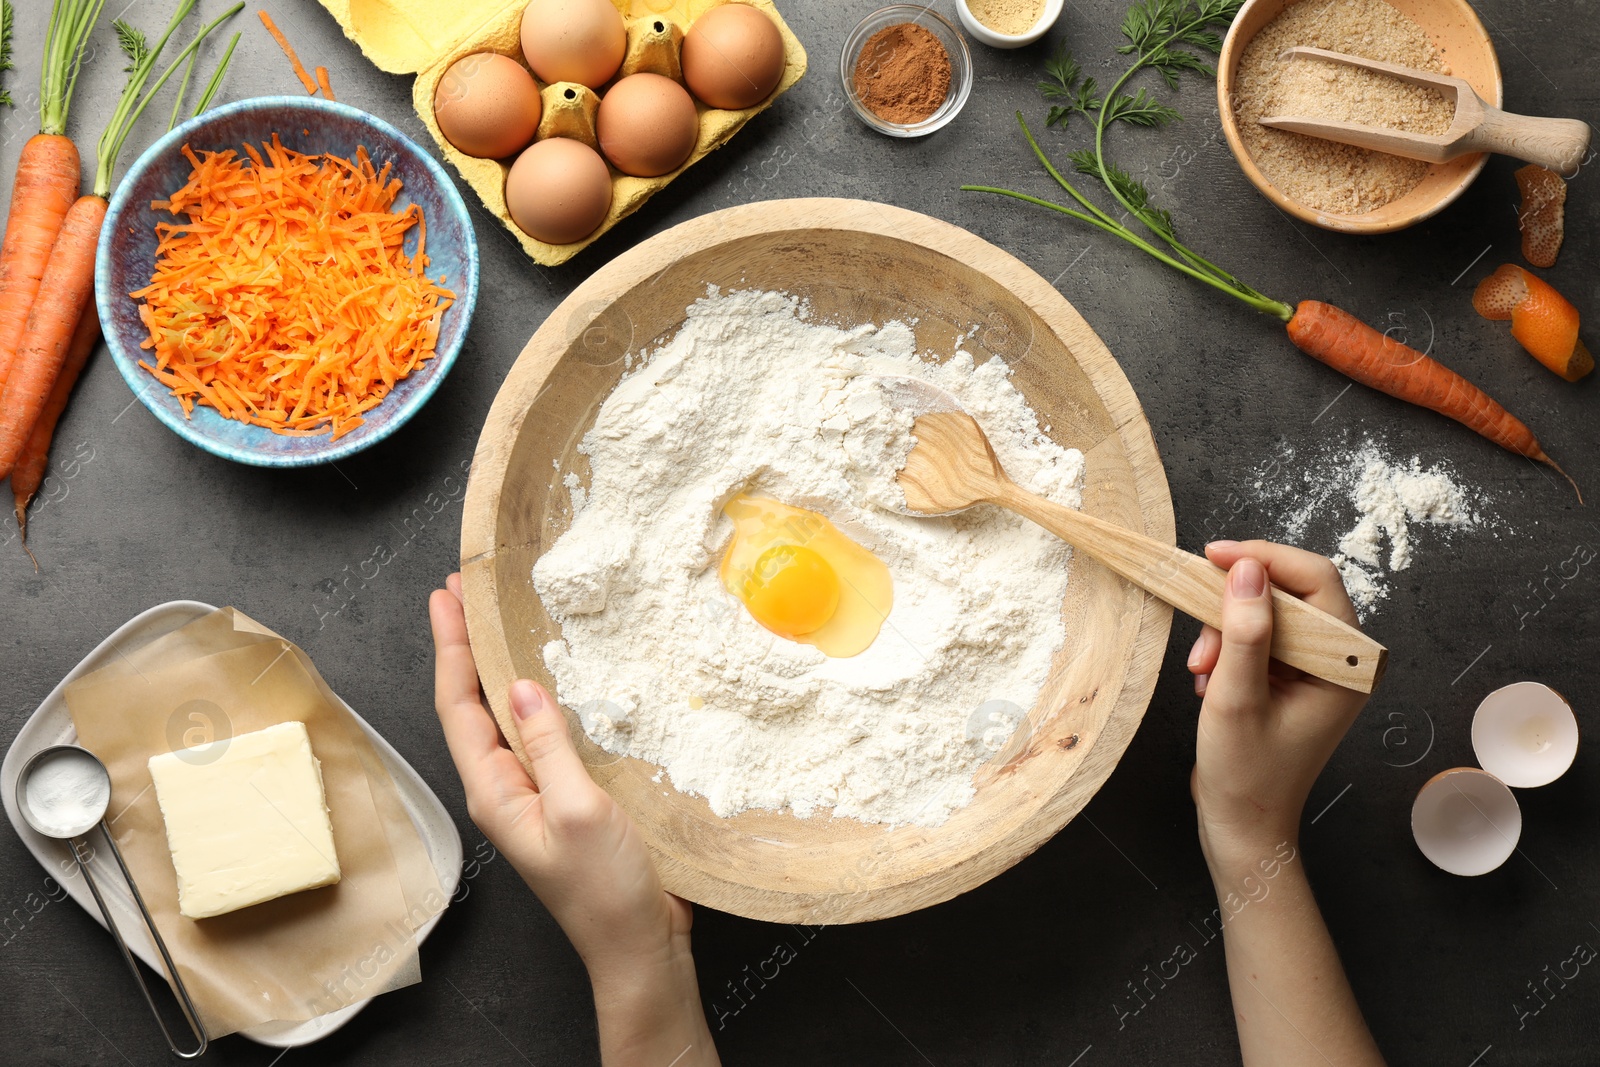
[(22, 528), (1542, 458)]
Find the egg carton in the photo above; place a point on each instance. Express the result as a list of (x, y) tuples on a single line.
[(424, 37)]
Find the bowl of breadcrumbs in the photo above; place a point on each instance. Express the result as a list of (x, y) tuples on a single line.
[(1337, 186)]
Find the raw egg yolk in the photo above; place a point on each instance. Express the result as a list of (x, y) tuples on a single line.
[(802, 579), (792, 591)]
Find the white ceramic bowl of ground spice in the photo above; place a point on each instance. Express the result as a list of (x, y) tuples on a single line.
[(1335, 186), (906, 70), (1008, 23)]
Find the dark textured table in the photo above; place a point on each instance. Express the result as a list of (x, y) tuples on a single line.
[(1041, 964)]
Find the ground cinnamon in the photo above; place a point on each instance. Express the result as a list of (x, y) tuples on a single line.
[(902, 74)]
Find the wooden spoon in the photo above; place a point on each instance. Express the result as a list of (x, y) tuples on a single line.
[(1558, 144), (953, 467)]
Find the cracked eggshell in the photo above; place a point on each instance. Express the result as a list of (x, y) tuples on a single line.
[(1525, 734), (1466, 821)]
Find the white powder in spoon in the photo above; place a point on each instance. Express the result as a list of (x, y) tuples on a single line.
[(662, 664)]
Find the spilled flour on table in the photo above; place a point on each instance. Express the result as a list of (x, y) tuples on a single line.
[(1390, 500), (661, 663)]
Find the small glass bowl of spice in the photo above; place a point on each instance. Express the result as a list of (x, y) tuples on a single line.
[(906, 70)]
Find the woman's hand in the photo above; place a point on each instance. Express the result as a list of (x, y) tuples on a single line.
[(1265, 732), (1266, 729), (578, 851)]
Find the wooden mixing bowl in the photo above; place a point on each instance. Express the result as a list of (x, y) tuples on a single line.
[(1454, 29), (856, 262)]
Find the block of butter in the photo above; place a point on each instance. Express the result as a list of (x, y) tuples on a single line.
[(246, 820)]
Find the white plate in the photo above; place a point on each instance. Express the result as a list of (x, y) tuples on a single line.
[(52, 725)]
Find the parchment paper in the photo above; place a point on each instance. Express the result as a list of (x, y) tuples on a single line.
[(298, 956)]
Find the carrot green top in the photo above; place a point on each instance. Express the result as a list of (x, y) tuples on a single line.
[(141, 64), (70, 23)]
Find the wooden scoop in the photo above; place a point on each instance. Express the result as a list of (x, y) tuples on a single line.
[(1558, 144), (953, 467)]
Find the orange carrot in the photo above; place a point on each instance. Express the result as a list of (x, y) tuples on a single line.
[(68, 275), (47, 185), (288, 50), (69, 280), (1325, 333), (322, 81), (47, 176), (1358, 351), (28, 475), (285, 298)]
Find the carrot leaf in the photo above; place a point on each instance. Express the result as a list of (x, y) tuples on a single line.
[(1140, 109), (1063, 84), (135, 99), (1158, 30), (1129, 190), (131, 40), (1170, 37), (6, 21), (1063, 72)]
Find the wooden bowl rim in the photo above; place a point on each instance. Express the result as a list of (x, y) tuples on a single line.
[(544, 351), (1233, 46)]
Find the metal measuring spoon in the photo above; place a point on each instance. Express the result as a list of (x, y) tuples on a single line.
[(63, 792)]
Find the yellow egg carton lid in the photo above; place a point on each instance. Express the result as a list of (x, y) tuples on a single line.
[(423, 37)]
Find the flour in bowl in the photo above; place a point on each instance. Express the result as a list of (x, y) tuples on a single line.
[(661, 663)]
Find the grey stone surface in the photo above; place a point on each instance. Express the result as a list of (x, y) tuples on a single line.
[(1040, 965)]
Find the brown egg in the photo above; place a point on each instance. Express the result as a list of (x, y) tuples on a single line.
[(558, 190), (647, 125), (487, 105), (573, 40), (732, 57)]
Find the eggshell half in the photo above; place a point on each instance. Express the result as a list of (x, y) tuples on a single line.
[(1466, 821), (1525, 734)]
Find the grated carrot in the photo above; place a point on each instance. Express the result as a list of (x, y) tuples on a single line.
[(322, 82), (287, 299), (288, 50)]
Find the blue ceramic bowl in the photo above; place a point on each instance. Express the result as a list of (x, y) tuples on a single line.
[(126, 260)]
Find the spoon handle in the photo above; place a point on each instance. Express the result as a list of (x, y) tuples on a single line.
[(1557, 144), (1302, 636), (81, 851)]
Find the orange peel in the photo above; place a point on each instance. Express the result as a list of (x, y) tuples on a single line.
[(1542, 320), (1542, 215), (1500, 293)]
